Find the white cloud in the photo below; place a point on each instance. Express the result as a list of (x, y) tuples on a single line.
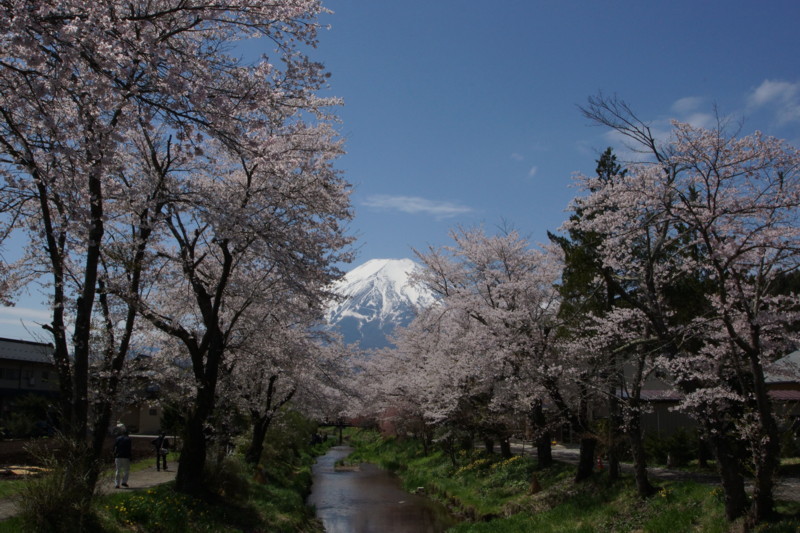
[(629, 151), (517, 157), (532, 172), (23, 313), (688, 110), (781, 95), (415, 205), (700, 120), (687, 105), (774, 91), (24, 323)]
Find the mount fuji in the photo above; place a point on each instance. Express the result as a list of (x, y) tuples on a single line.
[(377, 297)]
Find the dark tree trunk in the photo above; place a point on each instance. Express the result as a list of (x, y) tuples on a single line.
[(82, 331), (256, 448), (505, 448), (586, 458), (588, 440), (766, 453), (730, 471), (544, 451), (613, 432), (192, 461), (261, 420), (488, 445), (544, 447), (643, 486), (703, 454), (763, 499), (191, 465), (206, 359)]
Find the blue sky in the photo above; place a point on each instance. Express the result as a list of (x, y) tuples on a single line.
[(459, 112)]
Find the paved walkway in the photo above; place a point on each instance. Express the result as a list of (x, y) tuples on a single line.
[(139, 480)]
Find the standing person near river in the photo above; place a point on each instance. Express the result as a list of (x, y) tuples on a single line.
[(122, 459), (161, 444)]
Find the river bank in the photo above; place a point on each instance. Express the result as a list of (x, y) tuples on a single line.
[(496, 495), (236, 497)]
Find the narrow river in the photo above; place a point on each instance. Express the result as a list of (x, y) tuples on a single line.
[(370, 500)]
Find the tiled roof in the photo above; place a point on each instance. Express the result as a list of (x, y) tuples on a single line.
[(661, 395), (785, 395), (784, 370), (32, 352), (666, 395), (656, 395)]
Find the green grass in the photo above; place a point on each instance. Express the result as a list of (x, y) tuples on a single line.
[(235, 500), (144, 464), (493, 495), (240, 503), (10, 487)]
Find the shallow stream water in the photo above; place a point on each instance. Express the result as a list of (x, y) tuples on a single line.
[(370, 500)]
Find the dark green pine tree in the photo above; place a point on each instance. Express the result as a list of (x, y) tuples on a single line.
[(588, 288)]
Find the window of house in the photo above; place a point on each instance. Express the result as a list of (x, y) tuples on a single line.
[(153, 411), (10, 373), (45, 375)]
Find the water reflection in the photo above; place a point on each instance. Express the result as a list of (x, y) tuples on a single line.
[(370, 500)]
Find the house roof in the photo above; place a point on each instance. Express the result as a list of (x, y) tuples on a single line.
[(32, 352), (784, 370), (655, 395), (675, 396), (661, 395), (785, 395)]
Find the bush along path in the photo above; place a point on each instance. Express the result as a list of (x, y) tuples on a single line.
[(497, 495)]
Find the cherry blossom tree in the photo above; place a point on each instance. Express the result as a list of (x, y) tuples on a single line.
[(740, 199), (722, 214), (77, 78), (247, 228), (488, 348), (283, 353)]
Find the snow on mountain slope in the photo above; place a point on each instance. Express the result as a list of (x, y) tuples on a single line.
[(377, 297)]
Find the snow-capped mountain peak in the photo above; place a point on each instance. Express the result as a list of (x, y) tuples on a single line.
[(376, 297)]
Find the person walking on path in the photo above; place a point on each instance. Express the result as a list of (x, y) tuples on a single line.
[(122, 459), (161, 444)]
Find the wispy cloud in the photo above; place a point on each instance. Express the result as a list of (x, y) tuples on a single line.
[(532, 172), (517, 157), (415, 205), (23, 313), (687, 105), (690, 110), (781, 95), (24, 323)]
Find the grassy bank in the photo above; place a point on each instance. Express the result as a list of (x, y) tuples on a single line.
[(243, 499), (238, 498), (500, 495)]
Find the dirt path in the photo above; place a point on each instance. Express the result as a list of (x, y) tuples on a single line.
[(139, 480)]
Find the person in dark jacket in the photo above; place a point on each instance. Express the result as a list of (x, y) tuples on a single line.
[(161, 444), (122, 459)]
